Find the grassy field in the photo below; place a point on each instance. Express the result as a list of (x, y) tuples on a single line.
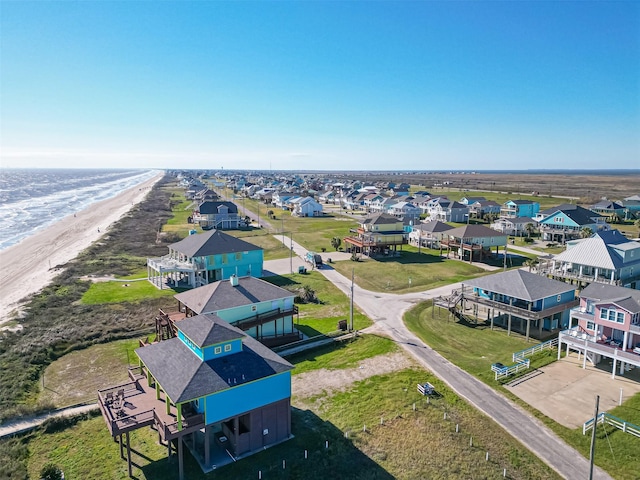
[(472, 348), (320, 318), (345, 354), (409, 443), (467, 347), (77, 376), (118, 292), (410, 272)]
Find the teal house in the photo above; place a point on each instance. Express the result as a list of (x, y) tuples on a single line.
[(519, 208), (203, 258), (262, 310), (212, 388), (519, 301)]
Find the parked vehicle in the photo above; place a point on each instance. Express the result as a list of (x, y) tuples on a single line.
[(314, 259)]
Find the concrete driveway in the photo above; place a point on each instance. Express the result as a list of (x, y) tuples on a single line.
[(566, 392)]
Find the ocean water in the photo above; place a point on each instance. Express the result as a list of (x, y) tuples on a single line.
[(32, 199)]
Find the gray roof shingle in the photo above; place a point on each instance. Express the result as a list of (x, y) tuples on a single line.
[(209, 329), (184, 376), (474, 231), (213, 242), (222, 295), (627, 298), (521, 284)]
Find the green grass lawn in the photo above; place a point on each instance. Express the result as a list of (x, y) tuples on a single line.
[(320, 318), (345, 354), (117, 292), (411, 272), (474, 349)]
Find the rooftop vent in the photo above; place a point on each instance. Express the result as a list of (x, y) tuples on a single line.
[(233, 279)]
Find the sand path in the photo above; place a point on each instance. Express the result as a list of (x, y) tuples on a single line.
[(30, 265)]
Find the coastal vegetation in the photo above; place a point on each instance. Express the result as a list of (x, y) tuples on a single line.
[(56, 322)]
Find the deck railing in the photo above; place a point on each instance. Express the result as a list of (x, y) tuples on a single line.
[(503, 372), (527, 352), (608, 419)]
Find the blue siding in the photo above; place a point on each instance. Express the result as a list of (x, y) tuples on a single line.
[(194, 348), (243, 398), (210, 352)]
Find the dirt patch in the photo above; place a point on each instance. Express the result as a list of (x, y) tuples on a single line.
[(325, 380)]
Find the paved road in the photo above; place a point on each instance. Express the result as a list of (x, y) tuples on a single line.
[(387, 311)]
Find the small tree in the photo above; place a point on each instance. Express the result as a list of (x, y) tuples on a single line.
[(336, 242), (530, 263), (269, 213), (586, 232), (529, 227), (51, 472)]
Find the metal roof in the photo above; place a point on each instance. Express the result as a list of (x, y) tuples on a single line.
[(597, 251)]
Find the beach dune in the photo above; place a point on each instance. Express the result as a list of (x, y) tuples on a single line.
[(30, 265)]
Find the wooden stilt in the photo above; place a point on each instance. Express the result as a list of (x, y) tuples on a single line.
[(180, 463), (121, 449), (206, 445), (129, 456)]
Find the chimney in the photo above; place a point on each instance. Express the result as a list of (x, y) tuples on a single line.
[(233, 279)]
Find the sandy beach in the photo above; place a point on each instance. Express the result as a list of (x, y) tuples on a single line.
[(30, 265)]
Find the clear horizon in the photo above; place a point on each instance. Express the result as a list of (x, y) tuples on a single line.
[(321, 86)]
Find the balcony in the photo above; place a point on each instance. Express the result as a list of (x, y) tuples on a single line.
[(581, 314), (133, 405), (582, 341)]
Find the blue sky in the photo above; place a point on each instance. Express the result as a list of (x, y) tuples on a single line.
[(321, 85)]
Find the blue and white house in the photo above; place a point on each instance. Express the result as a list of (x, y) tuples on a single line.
[(202, 258), (520, 301), (519, 208), (568, 222)]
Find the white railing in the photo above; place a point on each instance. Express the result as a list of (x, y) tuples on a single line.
[(527, 352), (502, 372), (606, 418)]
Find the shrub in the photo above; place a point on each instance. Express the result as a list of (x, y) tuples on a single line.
[(51, 472)]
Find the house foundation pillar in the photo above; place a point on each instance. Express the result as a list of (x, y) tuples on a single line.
[(207, 453), (180, 460), (129, 456)]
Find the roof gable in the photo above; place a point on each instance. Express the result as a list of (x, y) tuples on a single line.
[(205, 330), (521, 284), (213, 242), (222, 295)]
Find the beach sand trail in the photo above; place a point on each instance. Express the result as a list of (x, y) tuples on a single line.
[(27, 267)]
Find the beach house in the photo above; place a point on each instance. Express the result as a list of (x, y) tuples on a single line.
[(519, 208), (606, 325), (606, 257), (202, 258), (216, 214), (212, 388), (568, 222), (379, 233), (259, 308), (473, 242), (519, 301)]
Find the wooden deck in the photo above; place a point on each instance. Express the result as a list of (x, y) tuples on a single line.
[(141, 408)]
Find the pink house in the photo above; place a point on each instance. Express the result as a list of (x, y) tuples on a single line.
[(606, 325)]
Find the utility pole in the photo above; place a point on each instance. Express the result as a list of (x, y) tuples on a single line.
[(351, 303), (592, 451), (419, 237), (504, 267), (291, 251)]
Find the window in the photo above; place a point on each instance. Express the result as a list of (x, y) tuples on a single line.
[(217, 350), (227, 347), (591, 326), (604, 313), (238, 256), (225, 259)]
